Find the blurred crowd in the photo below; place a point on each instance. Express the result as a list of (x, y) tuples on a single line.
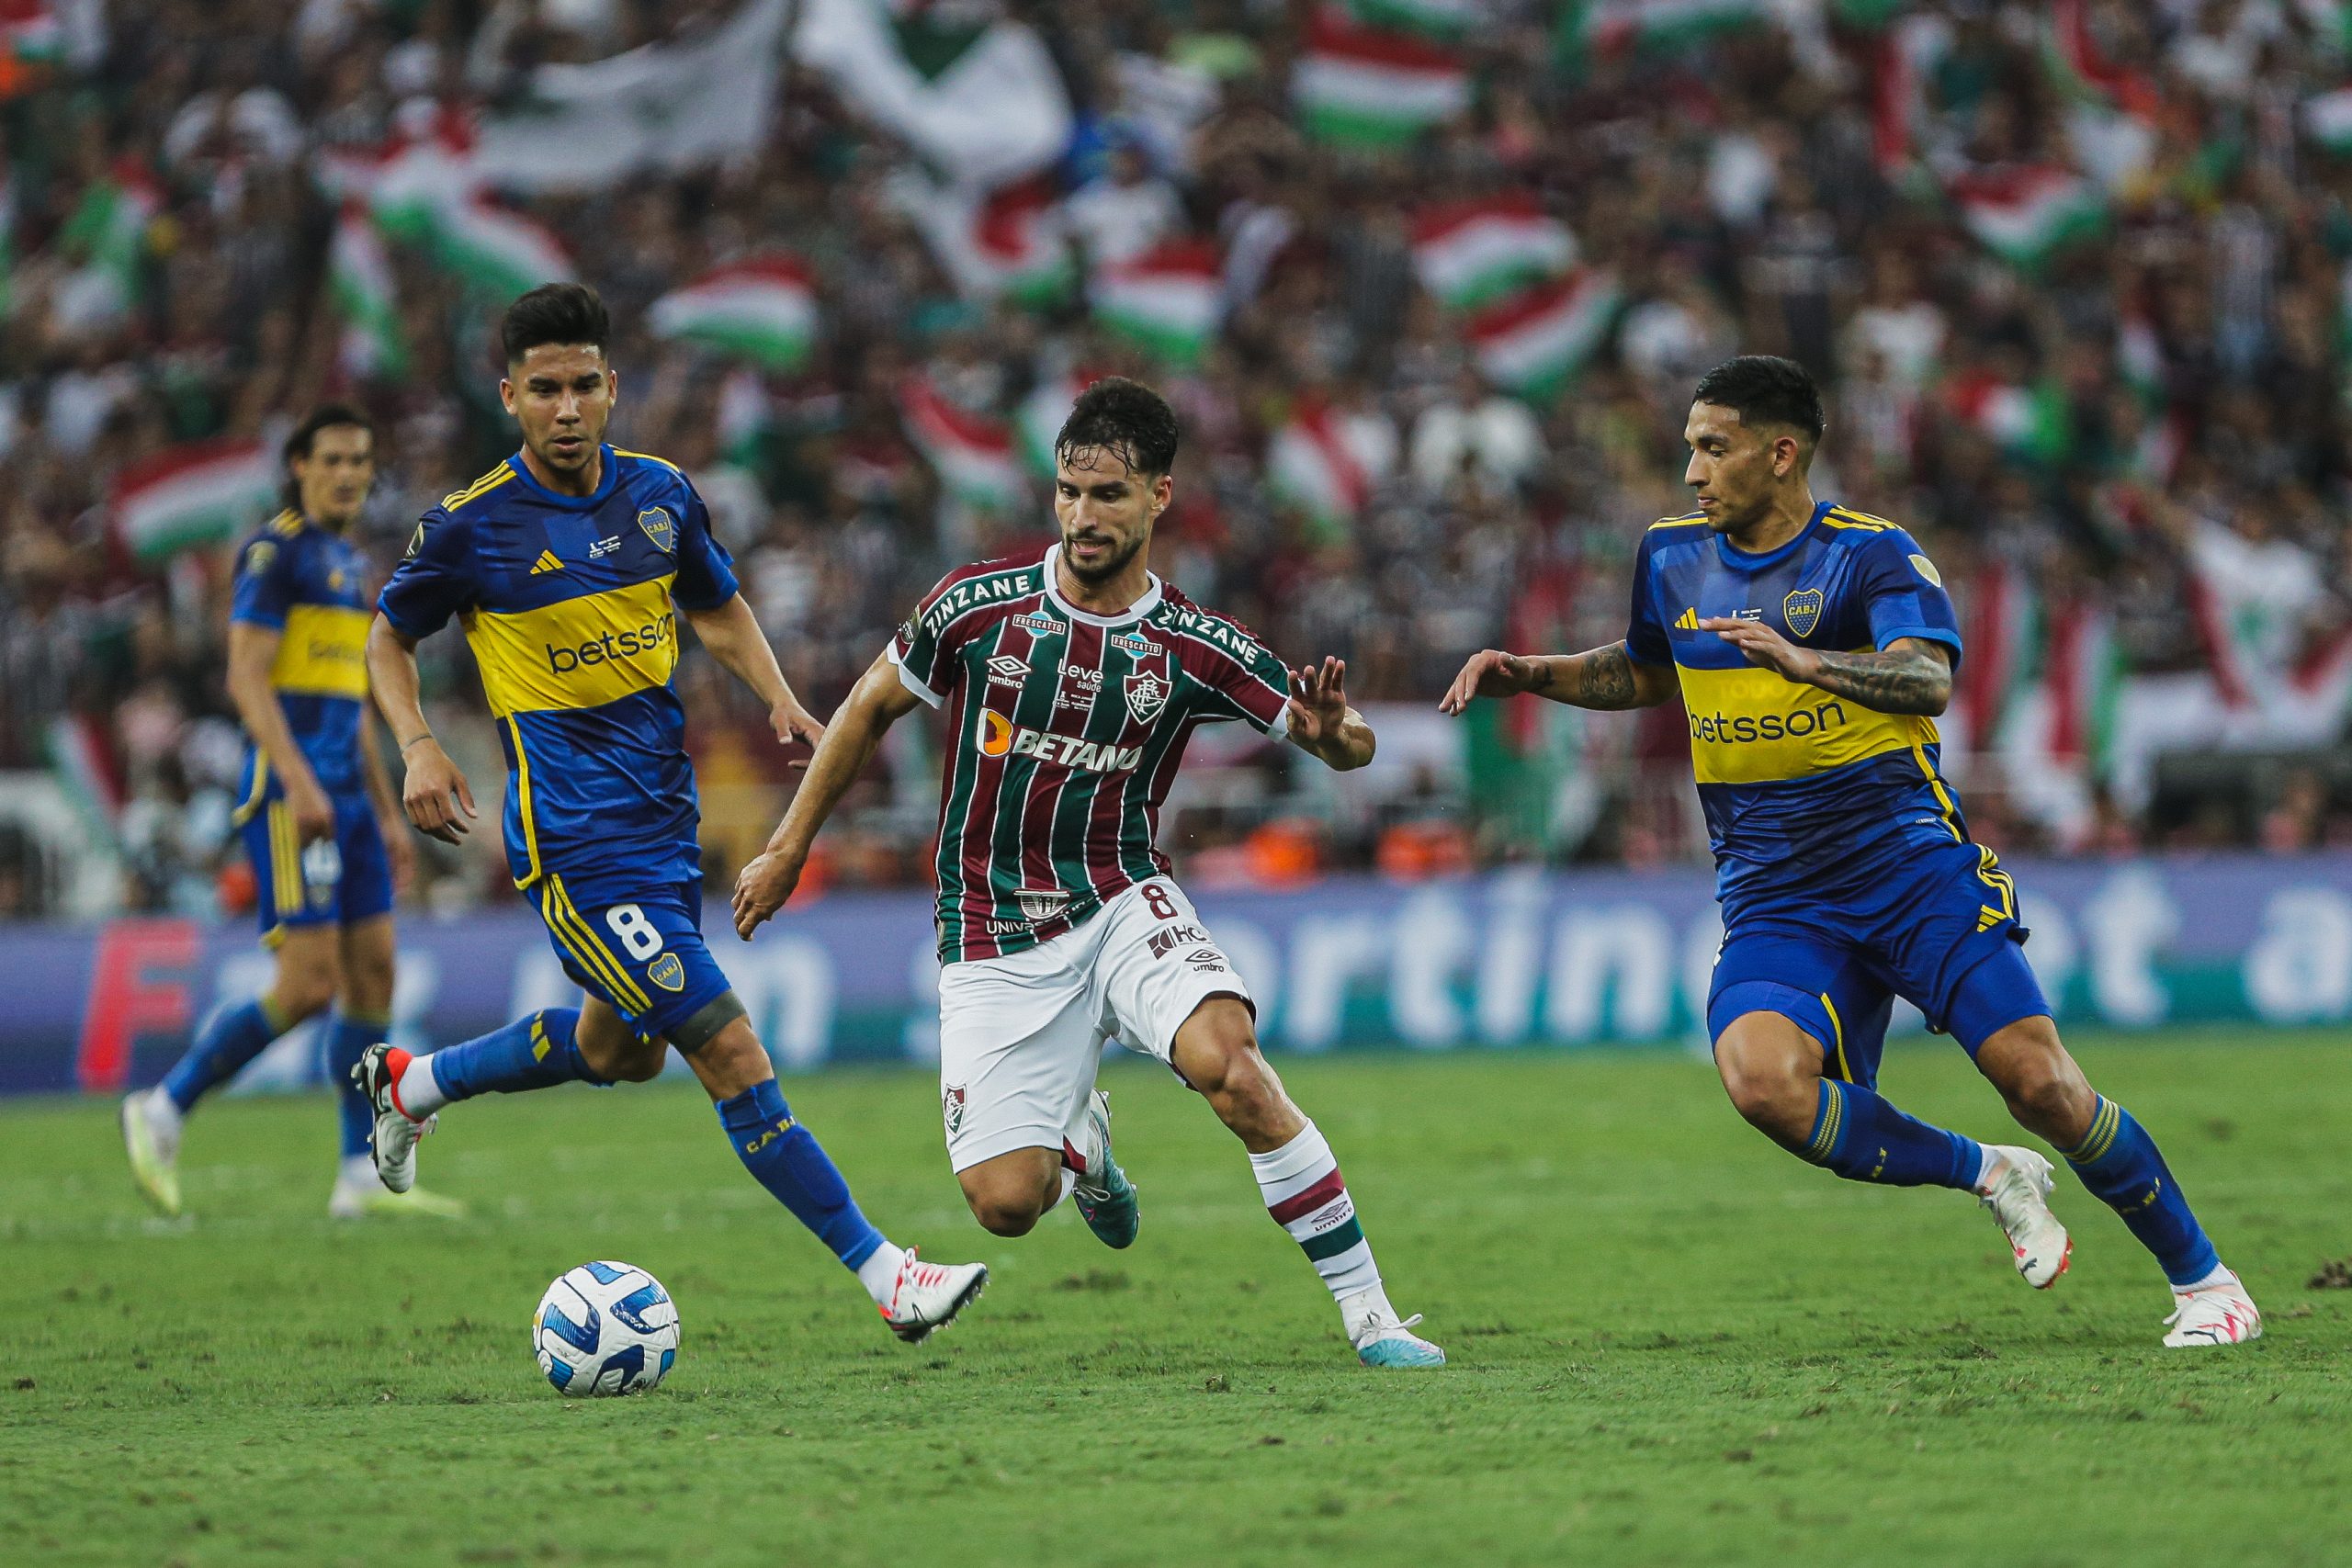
[(2073, 275)]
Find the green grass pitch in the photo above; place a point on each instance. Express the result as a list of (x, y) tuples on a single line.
[(1672, 1343)]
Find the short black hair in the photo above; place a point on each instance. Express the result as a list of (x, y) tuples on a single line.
[(555, 312), (303, 437), (1764, 389), (1123, 417)]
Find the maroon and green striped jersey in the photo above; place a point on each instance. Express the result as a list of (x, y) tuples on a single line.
[(1065, 730)]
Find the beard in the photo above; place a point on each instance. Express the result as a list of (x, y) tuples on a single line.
[(1106, 568)]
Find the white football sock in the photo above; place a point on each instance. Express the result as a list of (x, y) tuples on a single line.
[(1304, 1194), (163, 1118), (357, 1170), (879, 1274), (2220, 1276), (419, 1092), (1365, 1311)]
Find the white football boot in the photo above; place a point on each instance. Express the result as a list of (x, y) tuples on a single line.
[(2015, 1185), (2221, 1314), (396, 1134), (929, 1295), (1382, 1338), (151, 1134)]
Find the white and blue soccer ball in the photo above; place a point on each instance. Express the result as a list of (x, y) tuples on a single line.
[(605, 1328)]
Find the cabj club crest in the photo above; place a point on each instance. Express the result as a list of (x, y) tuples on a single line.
[(1802, 610), (659, 527)]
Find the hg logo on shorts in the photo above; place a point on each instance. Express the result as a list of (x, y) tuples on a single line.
[(1174, 937)]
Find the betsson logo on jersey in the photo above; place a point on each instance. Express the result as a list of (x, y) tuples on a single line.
[(614, 647), (1796, 726), (1000, 736)]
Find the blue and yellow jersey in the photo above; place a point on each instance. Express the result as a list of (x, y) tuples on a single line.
[(569, 604), (308, 586), (1802, 789)]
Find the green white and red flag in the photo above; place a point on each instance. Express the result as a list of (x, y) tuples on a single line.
[(1170, 299), (499, 252), (1374, 87), (360, 284), (1469, 253), (1007, 244), (972, 453), (1659, 27), (1042, 414), (198, 493), (2083, 71), (762, 309), (1326, 463), (1535, 342), (2025, 212)]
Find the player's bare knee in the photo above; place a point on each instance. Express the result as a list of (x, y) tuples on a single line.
[(307, 991), (1769, 1090), (641, 1061), (1003, 1207)]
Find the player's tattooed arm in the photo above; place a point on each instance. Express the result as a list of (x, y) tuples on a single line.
[(1909, 675), (1603, 678)]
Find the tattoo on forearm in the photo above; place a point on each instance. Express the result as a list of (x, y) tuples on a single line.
[(1901, 680), (1600, 679)]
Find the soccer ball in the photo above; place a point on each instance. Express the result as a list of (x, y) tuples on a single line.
[(605, 1328)]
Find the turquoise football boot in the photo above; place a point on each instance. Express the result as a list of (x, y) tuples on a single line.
[(1106, 1197)]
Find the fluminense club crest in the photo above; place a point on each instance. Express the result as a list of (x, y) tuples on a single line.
[(659, 527), (1147, 694)]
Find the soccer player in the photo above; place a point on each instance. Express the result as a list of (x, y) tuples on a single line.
[(568, 566), (320, 820), (1813, 647), (1071, 682)]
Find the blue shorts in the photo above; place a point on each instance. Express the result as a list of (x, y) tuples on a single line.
[(1942, 931), (337, 881), (643, 953)]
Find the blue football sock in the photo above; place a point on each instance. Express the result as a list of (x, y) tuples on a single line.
[(342, 1040), (2119, 1162), (232, 1037), (537, 1051), (785, 1158), (1860, 1135)]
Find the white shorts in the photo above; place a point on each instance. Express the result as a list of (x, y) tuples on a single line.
[(1020, 1036)]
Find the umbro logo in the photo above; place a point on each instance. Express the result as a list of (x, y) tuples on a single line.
[(1004, 669), (547, 562)]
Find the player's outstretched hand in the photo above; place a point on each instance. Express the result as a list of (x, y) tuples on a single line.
[(1490, 673), (436, 794), (761, 889), (1765, 646), (794, 727), (1318, 700)]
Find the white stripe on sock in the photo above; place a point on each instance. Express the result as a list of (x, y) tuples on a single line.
[(1296, 1166)]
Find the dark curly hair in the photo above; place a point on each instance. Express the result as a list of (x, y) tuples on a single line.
[(1764, 389), (1125, 418)]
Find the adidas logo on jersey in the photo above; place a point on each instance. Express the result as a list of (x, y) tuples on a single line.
[(1687, 622), (547, 562), (1000, 736)]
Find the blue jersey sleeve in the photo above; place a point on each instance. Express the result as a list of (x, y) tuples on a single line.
[(705, 571), (1905, 594), (265, 585), (434, 581), (1645, 632)]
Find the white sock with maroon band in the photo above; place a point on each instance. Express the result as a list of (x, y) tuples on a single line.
[(1304, 1194)]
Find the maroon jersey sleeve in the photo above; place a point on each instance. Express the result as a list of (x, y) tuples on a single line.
[(923, 648), (1244, 679)]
